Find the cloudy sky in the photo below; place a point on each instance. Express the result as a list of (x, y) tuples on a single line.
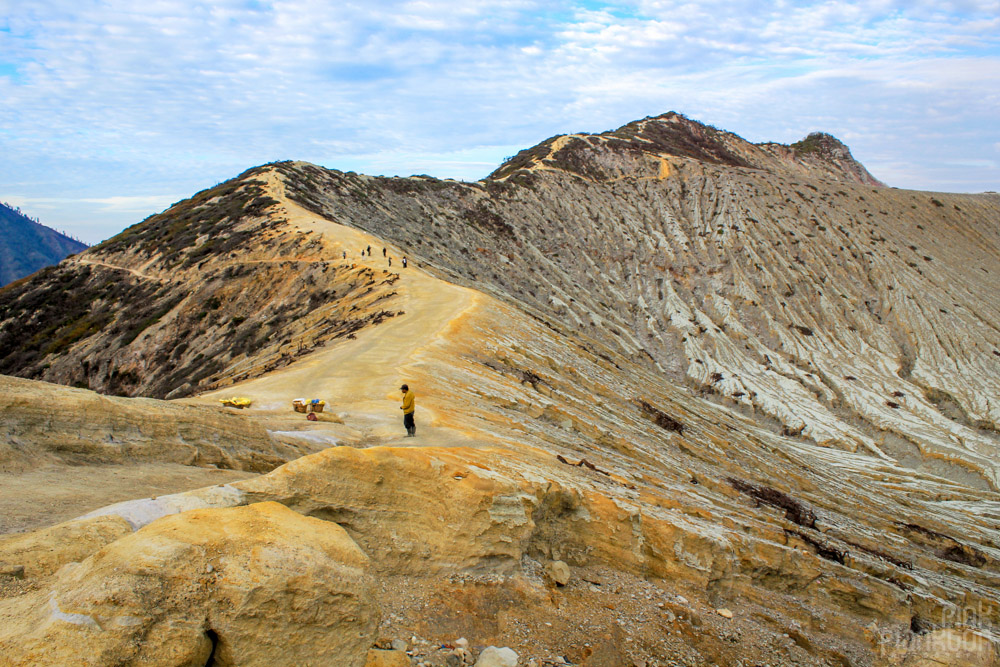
[(111, 110)]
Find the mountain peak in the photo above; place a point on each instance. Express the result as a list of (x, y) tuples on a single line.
[(626, 151), (820, 142), (820, 148)]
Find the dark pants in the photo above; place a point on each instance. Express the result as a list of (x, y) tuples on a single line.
[(411, 427)]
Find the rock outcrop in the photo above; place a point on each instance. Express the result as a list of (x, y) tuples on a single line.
[(44, 424), (952, 647), (258, 585), (43, 552)]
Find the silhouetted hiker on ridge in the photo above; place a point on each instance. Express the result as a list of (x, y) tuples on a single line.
[(408, 408), (404, 262), (383, 252)]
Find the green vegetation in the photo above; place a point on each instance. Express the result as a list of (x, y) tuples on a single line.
[(815, 142), (145, 317), (60, 306)]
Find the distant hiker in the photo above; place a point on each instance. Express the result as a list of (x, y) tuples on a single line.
[(404, 262), (390, 261), (408, 407), (369, 251), (345, 254), (383, 252)]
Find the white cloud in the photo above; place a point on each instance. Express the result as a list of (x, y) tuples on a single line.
[(115, 99)]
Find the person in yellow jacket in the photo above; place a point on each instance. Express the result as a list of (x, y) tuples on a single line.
[(408, 407)]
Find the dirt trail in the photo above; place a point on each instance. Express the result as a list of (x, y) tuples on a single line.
[(138, 274), (360, 378)]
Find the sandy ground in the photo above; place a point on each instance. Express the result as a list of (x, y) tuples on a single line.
[(53, 494)]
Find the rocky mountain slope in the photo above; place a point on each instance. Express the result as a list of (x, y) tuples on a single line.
[(644, 359), (776, 279), (214, 287), (26, 246)]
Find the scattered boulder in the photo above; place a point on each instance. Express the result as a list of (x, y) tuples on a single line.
[(607, 650), (558, 572), (497, 657), (282, 589), (459, 657)]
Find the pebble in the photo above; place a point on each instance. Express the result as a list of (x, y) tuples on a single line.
[(458, 658), (725, 613), (399, 645), (558, 572), (462, 642), (681, 599), (497, 657)]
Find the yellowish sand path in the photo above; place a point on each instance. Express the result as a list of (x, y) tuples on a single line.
[(359, 379)]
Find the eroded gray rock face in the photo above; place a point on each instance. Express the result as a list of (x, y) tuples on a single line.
[(783, 280)]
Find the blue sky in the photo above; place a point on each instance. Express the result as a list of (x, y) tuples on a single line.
[(111, 110)]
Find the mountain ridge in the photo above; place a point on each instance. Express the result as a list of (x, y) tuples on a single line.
[(685, 248), (27, 246), (675, 135), (749, 409)]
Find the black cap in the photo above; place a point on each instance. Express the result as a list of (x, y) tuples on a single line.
[(405, 387)]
